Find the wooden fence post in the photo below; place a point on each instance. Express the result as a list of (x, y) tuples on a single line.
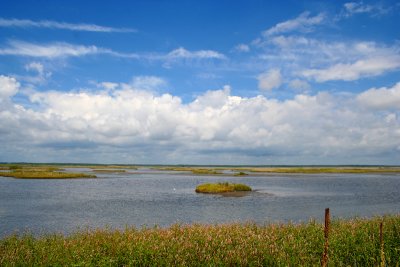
[(383, 264), (324, 261)]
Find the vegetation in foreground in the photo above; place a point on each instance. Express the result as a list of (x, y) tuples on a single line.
[(217, 188), (351, 243), (40, 172)]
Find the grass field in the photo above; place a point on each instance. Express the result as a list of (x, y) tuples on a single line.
[(352, 243)]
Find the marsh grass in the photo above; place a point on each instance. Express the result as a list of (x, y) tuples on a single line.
[(221, 188), (312, 170), (352, 243), (40, 172), (205, 171), (111, 167), (26, 174), (109, 170), (217, 170), (241, 174)]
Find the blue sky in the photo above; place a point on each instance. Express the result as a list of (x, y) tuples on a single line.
[(200, 82)]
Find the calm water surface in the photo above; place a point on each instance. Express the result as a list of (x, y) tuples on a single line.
[(148, 197)]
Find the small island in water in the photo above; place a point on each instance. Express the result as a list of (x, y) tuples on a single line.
[(27, 171), (218, 188)]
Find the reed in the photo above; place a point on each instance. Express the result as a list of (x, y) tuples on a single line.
[(351, 243), (216, 188)]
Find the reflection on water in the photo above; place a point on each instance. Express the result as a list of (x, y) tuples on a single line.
[(149, 197)]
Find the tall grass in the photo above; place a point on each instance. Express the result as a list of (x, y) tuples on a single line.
[(221, 188), (352, 243)]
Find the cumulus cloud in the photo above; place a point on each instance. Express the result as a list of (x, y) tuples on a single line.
[(381, 98), (8, 87), (304, 23), (270, 79), (132, 125), (26, 23)]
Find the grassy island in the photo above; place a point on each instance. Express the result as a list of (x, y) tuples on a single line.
[(40, 172), (45, 175), (217, 188)]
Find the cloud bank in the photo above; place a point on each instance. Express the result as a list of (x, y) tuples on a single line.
[(125, 123)]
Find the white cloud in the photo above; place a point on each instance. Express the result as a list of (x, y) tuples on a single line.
[(41, 76), (137, 126), (360, 7), (322, 61), (182, 53), (35, 66), (8, 87), (303, 23), (53, 50), (354, 71), (381, 98), (242, 48), (353, 8), (299, 85), (270, 79), (148, 82), (25, 23), (108, 85), (62, 50)]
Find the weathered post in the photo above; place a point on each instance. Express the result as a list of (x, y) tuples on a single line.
[(324, 261), (383, 264)]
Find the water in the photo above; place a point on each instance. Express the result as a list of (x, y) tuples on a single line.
[(148, 197)]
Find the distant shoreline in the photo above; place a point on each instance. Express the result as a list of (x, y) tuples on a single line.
[(236, 170)]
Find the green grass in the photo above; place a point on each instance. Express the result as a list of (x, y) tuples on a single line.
[(205, 171), (312, 170), (41, 172), (305, 170), (352, 243), (109, 170), (241, 174), (30, 171), (217, 188), (44, 175)]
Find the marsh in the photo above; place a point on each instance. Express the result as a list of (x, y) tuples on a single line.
[(147, 196)]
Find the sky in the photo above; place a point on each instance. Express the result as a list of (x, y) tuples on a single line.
[(200, 82)]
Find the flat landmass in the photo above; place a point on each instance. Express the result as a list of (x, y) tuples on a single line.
[(217, 188), (244, 170), (57, 171), (39, 172)]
